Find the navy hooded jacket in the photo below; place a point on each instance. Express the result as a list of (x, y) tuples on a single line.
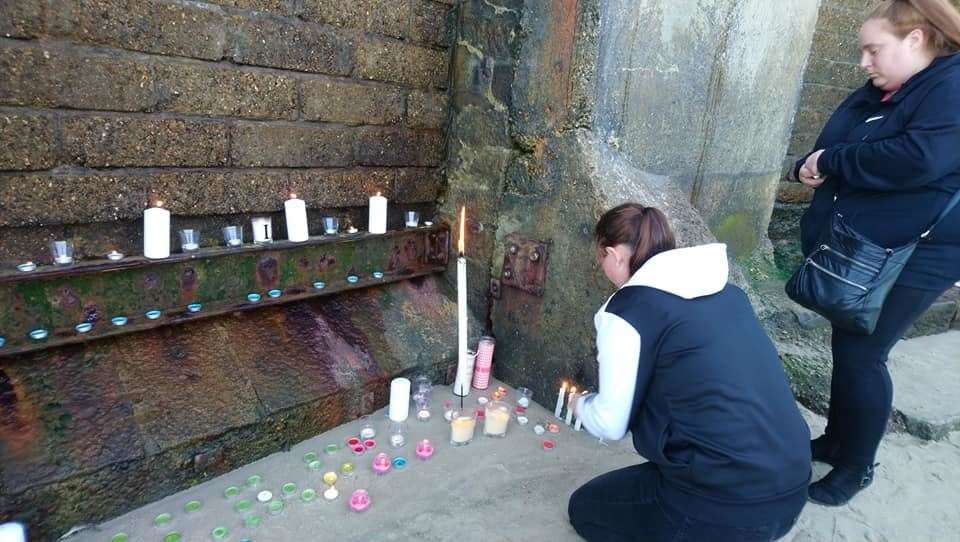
[(891, 167), (685, 366)]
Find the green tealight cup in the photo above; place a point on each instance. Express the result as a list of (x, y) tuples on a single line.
[(289, 488), (308, 495), (163, 519), (254, 480), (251, 521), (231, 492), (242, 505), (172, 536), (275, 507), (192, 506), (331, 449), (315, 465), (120, 537), (309, 457), (219, 533)]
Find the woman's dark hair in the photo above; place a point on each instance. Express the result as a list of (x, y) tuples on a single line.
[(939, 20), (644, 229)]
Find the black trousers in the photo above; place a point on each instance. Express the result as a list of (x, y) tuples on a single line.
[(623, 505), (861, 392)]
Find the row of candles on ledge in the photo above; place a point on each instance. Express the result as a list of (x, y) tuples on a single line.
[(565, 398), (156, 231)]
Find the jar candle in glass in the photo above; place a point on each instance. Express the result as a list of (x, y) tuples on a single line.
[(496, 418), (462, 425)]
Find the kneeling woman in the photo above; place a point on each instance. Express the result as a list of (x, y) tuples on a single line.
[(685, 366)]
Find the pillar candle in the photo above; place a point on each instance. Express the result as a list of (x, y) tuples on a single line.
[(570, 400), (399, 399), (296, 215), (579, 423), (156, 232), (378, 214), (563, 390), (262, 229)]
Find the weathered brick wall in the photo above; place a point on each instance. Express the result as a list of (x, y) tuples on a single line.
[(220, 108)]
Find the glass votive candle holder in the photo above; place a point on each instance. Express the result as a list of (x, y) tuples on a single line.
[(367, 430), (233, 236), (462, 425), (423, 411), (331, 225), (448, 410), (524, 396), (496, 419), (189, 240), (421, 388), (62, 252), (398, 434), (411, 219)]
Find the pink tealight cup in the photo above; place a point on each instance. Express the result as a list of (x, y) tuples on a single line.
[(370, 444), (353, 442), (381, 463), (358, 449), (359, 500), (424, 449)]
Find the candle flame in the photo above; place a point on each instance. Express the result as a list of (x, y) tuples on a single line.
[(563, 384), (160, 203), (378, 194), (463, 218), (293, 195)]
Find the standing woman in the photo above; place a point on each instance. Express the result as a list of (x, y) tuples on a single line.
[(888, 160), (686, 367)]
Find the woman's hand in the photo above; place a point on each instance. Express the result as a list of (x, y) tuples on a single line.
[(809, 173)]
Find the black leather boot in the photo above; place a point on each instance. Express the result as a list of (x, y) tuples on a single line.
[(840, 485), (823, 450)]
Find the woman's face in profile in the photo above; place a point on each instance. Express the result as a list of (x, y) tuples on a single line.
[(889, 60)]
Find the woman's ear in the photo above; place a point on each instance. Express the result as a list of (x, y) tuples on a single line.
[(917, 39), (611, 252)]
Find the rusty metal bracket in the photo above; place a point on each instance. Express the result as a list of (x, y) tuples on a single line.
[(53, 306), (525, 264)]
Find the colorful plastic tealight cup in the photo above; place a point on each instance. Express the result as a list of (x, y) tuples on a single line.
[(3, 341), (119, 321), (192, 506), (120, 537), (275, 293), (26, 267), (378, 274), (424, 449), (243, 505), (289, 488), (353, 279), (549, 444), (173, 536), (153, 314), (315, 465), (264, 496), (353, 441), (399, 463), (358, 449), (347, 469), (522, 420), (219, 533), (359, 500), (275, 507), (331, 493), (319, 285), (370, 444), (253, 297), (194, 307), (330, 478), (231, 492), (381, 463), (84, 327), (553, 428), (331, 449), (308, 495), (309, 457), (39, 334), (254, 480), (252, 520), (163, 519)]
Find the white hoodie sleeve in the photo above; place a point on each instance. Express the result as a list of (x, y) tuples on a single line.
[(606, 414)]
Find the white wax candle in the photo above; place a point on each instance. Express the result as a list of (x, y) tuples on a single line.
[(559, 410), (495, 421), (378, 214), (156, 232), (296, 214), (331, 493), (262, 229), (461, 385), (573, 396), (579, 423), (399, 399)]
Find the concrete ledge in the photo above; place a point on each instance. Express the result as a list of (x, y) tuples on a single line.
[(926, 379)]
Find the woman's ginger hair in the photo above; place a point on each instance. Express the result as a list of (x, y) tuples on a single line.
[(644, 229), (938, 19)]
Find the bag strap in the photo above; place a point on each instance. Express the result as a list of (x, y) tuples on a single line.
[(953, 203)]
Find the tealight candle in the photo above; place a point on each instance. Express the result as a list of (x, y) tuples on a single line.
[(359, 500), (113, 255), (367, 431), (264, 496), (423, 414), (448, 410), (62, 252), (331, 494), (378, 214), (563, 389), (424, 449), (26, 267), (330, 478), (156, 232), (523, 397), (381, 463), (295, 210)]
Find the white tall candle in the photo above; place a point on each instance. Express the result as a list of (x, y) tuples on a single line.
[(563, 390), (579, 423), (461, 385), (296, 214), (399, 399), (156, 232), (570, 400), (262, 229), (378, 214)]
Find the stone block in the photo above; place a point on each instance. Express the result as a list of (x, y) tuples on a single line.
[(141, 141), (385, 17), (279, 43), (838, 74), (282, 7), (793, 192), (398, 147), (430, 22), (52, 77), (811, 120), (190, 29), (340, 101), (418, 185), (841, 21), (204, 90), (28, 141), (291, 145), (426, 109), (35, 200), (802, 143), (22, 18), (822, 97), (383, 60), (837, 47)]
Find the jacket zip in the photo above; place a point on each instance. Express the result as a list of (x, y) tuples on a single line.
[(836, 276), (858, 263)]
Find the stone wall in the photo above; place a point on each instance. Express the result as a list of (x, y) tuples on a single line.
[(220, 109)]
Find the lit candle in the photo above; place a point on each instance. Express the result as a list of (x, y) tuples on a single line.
[(378, 214), (156, 232), (563, 389), (296, 214), (262, 229), (579, 422), (464, 363), (572, 397)]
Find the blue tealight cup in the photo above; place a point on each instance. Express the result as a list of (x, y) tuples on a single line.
[(194, 307), (353, 279), (83, 327), (319, 285), (119, 321), (378, 274), (253, 297), (275, 293), (153, 314), (39, 334)]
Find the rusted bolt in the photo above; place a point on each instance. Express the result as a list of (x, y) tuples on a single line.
[(514, 249), (534, 255)]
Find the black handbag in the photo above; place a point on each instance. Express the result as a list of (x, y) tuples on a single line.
[(847, 277)]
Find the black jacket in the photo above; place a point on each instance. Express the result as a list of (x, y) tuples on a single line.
[(891, 167)]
